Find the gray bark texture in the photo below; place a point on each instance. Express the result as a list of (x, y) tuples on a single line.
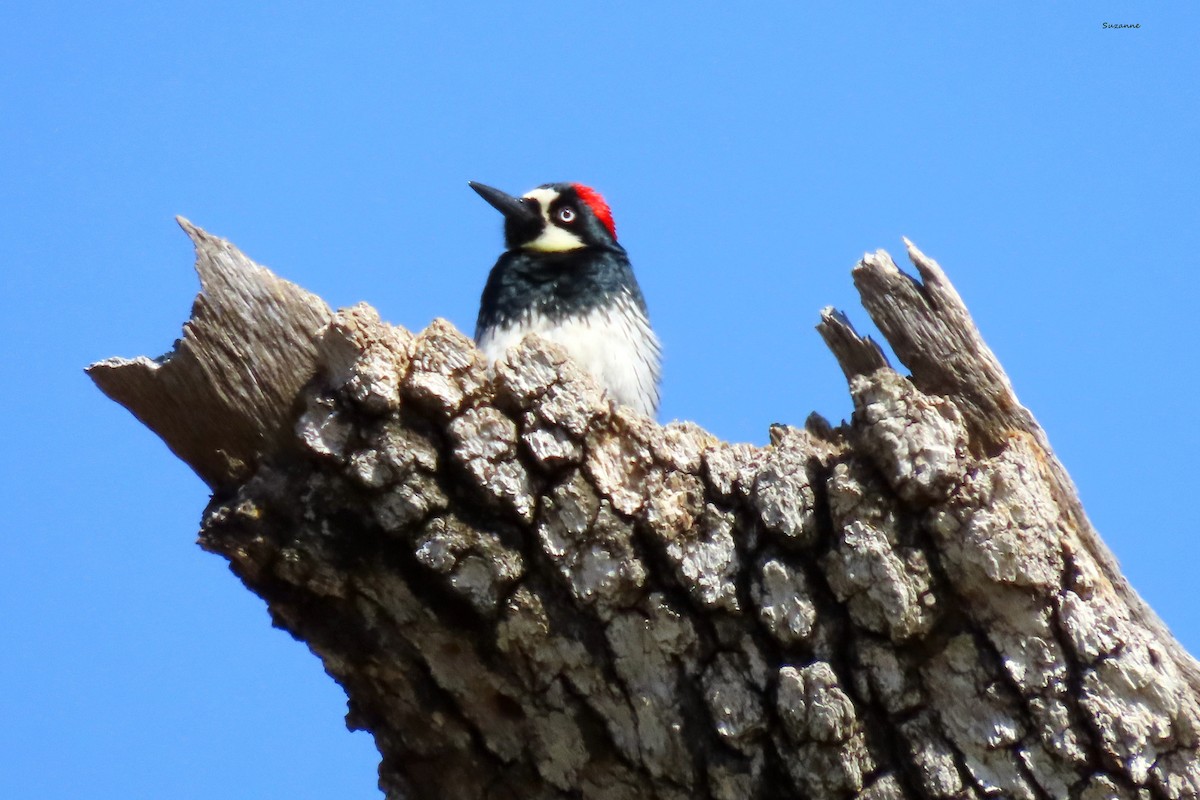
[(529, 593)]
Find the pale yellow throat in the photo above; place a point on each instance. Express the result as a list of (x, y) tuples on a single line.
[(554, 240)]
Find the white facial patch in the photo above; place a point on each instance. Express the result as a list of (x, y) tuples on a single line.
[(615, 344), (553, 239), (545, 198)]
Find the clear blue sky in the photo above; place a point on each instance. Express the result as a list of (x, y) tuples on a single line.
[(750, 157)]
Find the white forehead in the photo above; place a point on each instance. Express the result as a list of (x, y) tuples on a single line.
[(544, 197)]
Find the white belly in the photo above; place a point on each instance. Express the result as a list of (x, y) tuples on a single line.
[(615, 345)]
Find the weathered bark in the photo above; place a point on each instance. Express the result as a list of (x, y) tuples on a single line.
[(528, 593)]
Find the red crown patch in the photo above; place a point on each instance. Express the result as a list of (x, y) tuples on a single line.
[(596, 203)]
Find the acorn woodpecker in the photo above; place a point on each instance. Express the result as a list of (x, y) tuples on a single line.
[(564, 277)]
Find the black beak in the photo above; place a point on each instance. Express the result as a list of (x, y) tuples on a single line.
[(514, 209)]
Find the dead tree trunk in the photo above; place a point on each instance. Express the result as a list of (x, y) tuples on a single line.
[(527, 593)]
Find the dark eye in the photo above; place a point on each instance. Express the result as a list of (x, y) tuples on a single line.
[(566, 214)]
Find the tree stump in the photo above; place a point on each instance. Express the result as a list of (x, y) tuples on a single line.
[(527, 592)]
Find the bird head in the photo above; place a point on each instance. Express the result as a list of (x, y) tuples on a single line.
[(553, 218)]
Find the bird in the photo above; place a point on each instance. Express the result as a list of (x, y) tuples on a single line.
[(564, 276)]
